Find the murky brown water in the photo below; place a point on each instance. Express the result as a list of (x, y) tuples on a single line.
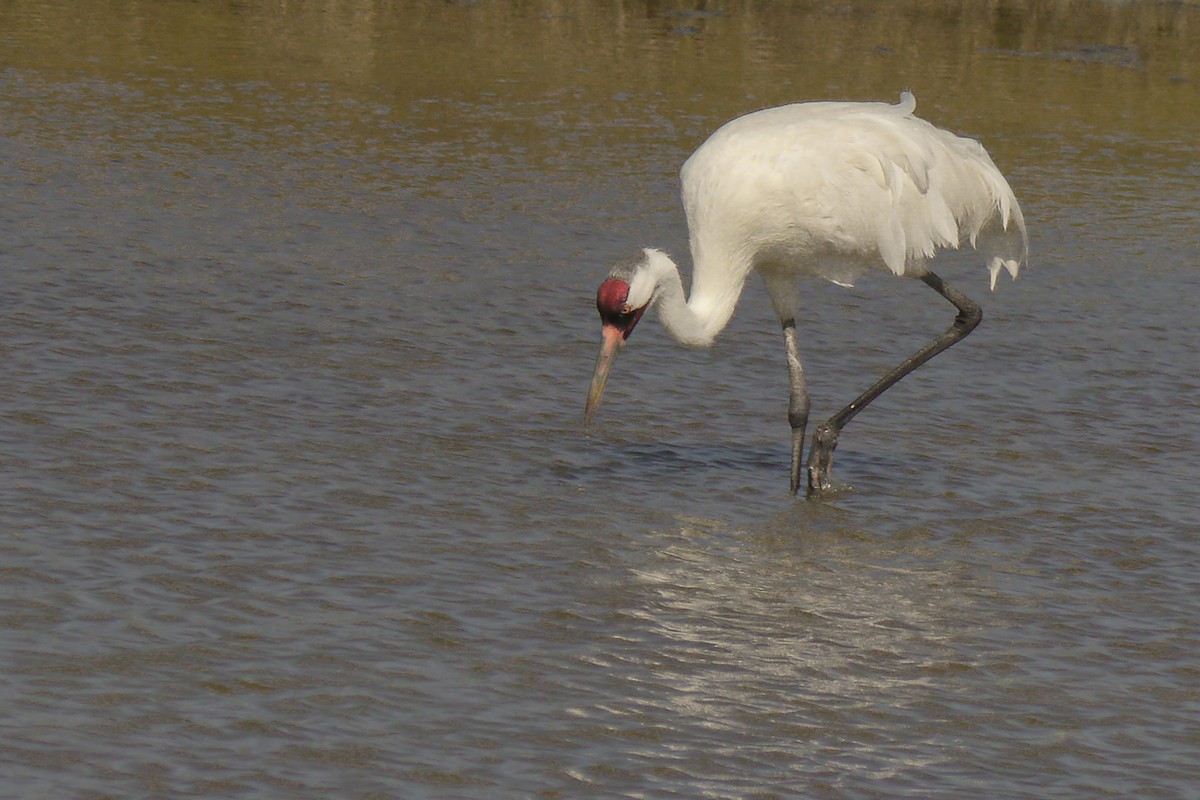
[(295, 498)]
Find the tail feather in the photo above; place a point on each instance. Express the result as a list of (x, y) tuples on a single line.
[(992, 222)]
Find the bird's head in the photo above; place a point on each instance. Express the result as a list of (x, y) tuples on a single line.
[(621, 301)]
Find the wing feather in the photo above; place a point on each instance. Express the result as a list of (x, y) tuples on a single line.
[(834, 189)]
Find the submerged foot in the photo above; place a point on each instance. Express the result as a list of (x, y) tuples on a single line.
[(820, 459)]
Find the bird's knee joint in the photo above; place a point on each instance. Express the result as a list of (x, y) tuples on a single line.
[(798, 411), (968, 318)]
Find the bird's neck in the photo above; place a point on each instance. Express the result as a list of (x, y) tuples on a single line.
[(695, 322)]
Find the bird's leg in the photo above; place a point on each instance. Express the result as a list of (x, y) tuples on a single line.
[(820, 458), (797, 400)]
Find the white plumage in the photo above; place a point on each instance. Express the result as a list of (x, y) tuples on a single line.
[(830, 190)]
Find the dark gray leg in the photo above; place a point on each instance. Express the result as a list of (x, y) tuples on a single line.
[(797, 400), (820, 458)]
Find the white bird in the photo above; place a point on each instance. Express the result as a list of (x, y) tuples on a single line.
[(828, 189)]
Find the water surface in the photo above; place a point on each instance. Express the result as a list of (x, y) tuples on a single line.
[(296, 496)]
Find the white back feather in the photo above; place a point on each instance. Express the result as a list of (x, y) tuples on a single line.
[(835, 189)]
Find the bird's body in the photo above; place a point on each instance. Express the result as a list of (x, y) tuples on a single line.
[(828, 190)]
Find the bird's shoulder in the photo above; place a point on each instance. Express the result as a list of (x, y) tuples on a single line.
[(811, 147)]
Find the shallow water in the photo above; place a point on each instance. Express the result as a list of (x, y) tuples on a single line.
[(296, 496)]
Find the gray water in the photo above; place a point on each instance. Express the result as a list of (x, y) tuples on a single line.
[(296, 499)]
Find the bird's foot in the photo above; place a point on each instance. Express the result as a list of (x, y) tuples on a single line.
[(820, 459)]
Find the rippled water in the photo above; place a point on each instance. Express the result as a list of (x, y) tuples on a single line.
[(296, 496)]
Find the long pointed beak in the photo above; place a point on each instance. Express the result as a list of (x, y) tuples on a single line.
[(610, 345)]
